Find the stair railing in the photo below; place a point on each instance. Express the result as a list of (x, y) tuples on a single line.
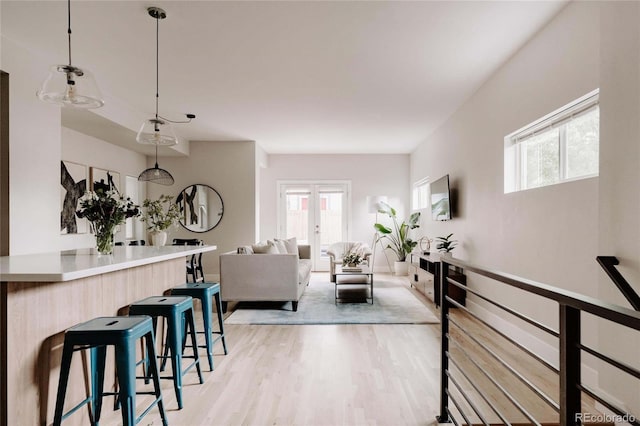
[(609, 263), (455, 397)]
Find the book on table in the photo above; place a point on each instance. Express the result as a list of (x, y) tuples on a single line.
[(351, 269)]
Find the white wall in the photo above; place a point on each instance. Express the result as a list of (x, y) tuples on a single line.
[(369, 175), (619, 224), (82, 149), (546, 234), (229, 168), (34, 154)]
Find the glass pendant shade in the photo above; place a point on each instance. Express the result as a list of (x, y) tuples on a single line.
[(156, 175), (67, 85), (156, 132)]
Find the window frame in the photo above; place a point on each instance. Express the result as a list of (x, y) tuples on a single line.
[(515, 163), (415, 198)]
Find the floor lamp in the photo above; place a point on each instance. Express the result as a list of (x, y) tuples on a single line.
[(373, 201)]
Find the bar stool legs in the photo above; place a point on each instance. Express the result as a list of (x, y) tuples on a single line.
[(96, 335)]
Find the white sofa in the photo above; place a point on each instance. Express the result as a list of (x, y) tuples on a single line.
[(265, 277)]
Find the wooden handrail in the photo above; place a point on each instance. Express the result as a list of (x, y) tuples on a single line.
[(609, 263)]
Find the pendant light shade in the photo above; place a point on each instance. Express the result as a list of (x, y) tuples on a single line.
[(157, 131), (156, 174), (68, 85)]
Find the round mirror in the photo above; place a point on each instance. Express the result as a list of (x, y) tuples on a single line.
[(201, 207)]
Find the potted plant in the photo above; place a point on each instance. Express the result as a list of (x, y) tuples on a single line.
[(446, 244), (159, 216), (352, 259), (398, 237)]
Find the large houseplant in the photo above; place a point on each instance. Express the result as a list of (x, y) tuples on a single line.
[(159, 216), (398, 237)]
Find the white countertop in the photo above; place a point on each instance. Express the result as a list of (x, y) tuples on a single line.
[(73, 264)]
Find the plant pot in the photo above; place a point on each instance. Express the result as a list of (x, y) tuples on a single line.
[(401, 268), (158, 238)]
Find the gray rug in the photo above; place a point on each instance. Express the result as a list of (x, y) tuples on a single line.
[(392, 304)]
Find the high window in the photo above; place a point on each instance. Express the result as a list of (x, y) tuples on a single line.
[(560, 147), (421, 194)]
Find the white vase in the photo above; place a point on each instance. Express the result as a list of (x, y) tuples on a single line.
[(158, 238), (401, 268)]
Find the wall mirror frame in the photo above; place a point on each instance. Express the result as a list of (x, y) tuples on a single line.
[(201, 208)]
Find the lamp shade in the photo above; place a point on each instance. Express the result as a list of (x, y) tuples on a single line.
[(67, 85), (373, 201), (155, 131), (156, 175)]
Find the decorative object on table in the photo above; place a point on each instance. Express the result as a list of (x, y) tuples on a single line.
[(425, 244), (398, 237), (159, 216), (73, 179), (68, 85), (446, 244), (157, 131), (352, 260), (105, 210), (201, 208)]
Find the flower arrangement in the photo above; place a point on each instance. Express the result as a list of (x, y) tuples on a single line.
[(352, 259), (105, 210), (160, 214)]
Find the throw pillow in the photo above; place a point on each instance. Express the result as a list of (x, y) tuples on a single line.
[(291, 245), (264, 248), (279, 245)]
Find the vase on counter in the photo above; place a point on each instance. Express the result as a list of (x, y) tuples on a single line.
[(158, 238), (104, 238)]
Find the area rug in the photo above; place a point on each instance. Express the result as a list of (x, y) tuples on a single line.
[(392, 304)]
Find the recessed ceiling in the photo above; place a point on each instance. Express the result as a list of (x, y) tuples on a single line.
[(294, 76)]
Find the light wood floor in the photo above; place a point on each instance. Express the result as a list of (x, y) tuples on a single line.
[(320, 375)]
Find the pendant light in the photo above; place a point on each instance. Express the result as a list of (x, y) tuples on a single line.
[(157, 131), (71, 86), (156, 174)]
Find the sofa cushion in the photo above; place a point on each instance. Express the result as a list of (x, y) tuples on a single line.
[(279, 245), (291, 245), (304, 271), (264, 248)]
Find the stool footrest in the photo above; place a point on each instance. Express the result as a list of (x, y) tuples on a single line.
[(77, 407)]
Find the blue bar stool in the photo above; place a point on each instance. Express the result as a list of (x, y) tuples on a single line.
[(96, 335), (204, 292), (173, 309)]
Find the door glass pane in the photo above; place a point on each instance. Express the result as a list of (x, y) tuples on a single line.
[(297, 210), (330, 220)]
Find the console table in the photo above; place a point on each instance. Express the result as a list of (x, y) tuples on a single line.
[(424, 275)]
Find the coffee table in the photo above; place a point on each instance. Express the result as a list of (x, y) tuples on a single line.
[(362, 277)]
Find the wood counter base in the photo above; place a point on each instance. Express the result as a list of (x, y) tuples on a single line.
[(37, 315)]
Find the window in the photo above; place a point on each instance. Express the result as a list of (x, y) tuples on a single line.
[(559, 147), (421, 194)]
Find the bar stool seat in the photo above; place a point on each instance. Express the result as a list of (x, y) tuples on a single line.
[(96, 335), (173, 309), (204, 292)]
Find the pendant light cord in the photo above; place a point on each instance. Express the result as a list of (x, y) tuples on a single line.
[(157, 63), (69, 27)]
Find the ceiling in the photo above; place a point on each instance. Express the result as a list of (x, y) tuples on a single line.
[(294, 76)]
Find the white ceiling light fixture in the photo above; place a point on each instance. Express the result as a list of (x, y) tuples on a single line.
[(70, 86), (158, 130)]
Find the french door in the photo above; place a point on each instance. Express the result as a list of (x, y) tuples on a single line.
[(316, 213)]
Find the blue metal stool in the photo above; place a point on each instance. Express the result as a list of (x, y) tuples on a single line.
[(96, 335), (204, 292), (173, 309)]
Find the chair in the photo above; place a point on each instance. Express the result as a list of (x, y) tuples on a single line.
[(337, 251), (194, 265), (95, 335)]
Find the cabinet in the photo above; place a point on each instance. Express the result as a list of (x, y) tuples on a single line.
[(424, 275)]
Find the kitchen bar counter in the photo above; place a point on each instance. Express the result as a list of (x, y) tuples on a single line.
[(82, 263), (42, 295)]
